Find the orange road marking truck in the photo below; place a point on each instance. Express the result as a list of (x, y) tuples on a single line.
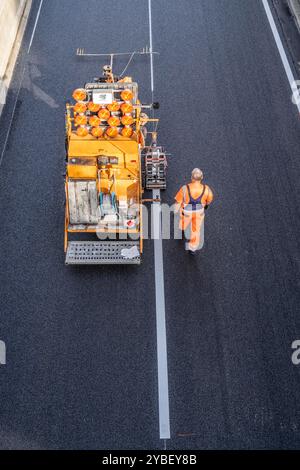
[(108, 166)]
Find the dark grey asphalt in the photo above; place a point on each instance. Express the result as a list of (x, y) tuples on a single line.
[(81, 365)]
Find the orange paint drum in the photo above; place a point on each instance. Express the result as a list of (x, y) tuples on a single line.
[(82, 131), (79, 94), (126, 95), (126, 108), (112, 131), (127, 132), (80, 120), (104, 114), (97, 131), (80, 108), (114, 106), (94, 121), (114, 121), (93, 107), (127, 120)]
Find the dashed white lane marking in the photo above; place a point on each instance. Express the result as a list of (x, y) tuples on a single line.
[(162, 359), (35, 25), (281, 50), (151, 46)]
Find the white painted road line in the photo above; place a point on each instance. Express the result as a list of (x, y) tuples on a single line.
[(280, 47), (35, 25), (151, 46), (161, 334)]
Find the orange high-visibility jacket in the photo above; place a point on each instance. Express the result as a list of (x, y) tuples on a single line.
[(196, 189)]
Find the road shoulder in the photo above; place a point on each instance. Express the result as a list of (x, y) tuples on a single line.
[(7, 77), (294, 6)]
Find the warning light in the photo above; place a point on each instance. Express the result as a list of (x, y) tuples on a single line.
[(82, 131), (94, 121), (114, 121), (127, 132), (104, 114), (80, 108), (112, 131), (127, 120), (79, 94), (80, 120), (126, 95), (126, 108), (97, 131), (93, 107), (114, 106)]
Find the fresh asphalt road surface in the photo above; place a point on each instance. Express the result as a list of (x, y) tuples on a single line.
[(81, 366)]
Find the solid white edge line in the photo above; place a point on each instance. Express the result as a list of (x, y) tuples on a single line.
[(35, 25), (280, 47), (161, 333)]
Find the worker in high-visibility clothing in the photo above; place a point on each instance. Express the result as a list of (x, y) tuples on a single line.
[(192, 200)]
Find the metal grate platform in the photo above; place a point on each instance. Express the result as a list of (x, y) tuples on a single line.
[(155, 169), (110, 252)]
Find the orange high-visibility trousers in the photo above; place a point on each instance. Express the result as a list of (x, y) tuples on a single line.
[(193, 223)]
